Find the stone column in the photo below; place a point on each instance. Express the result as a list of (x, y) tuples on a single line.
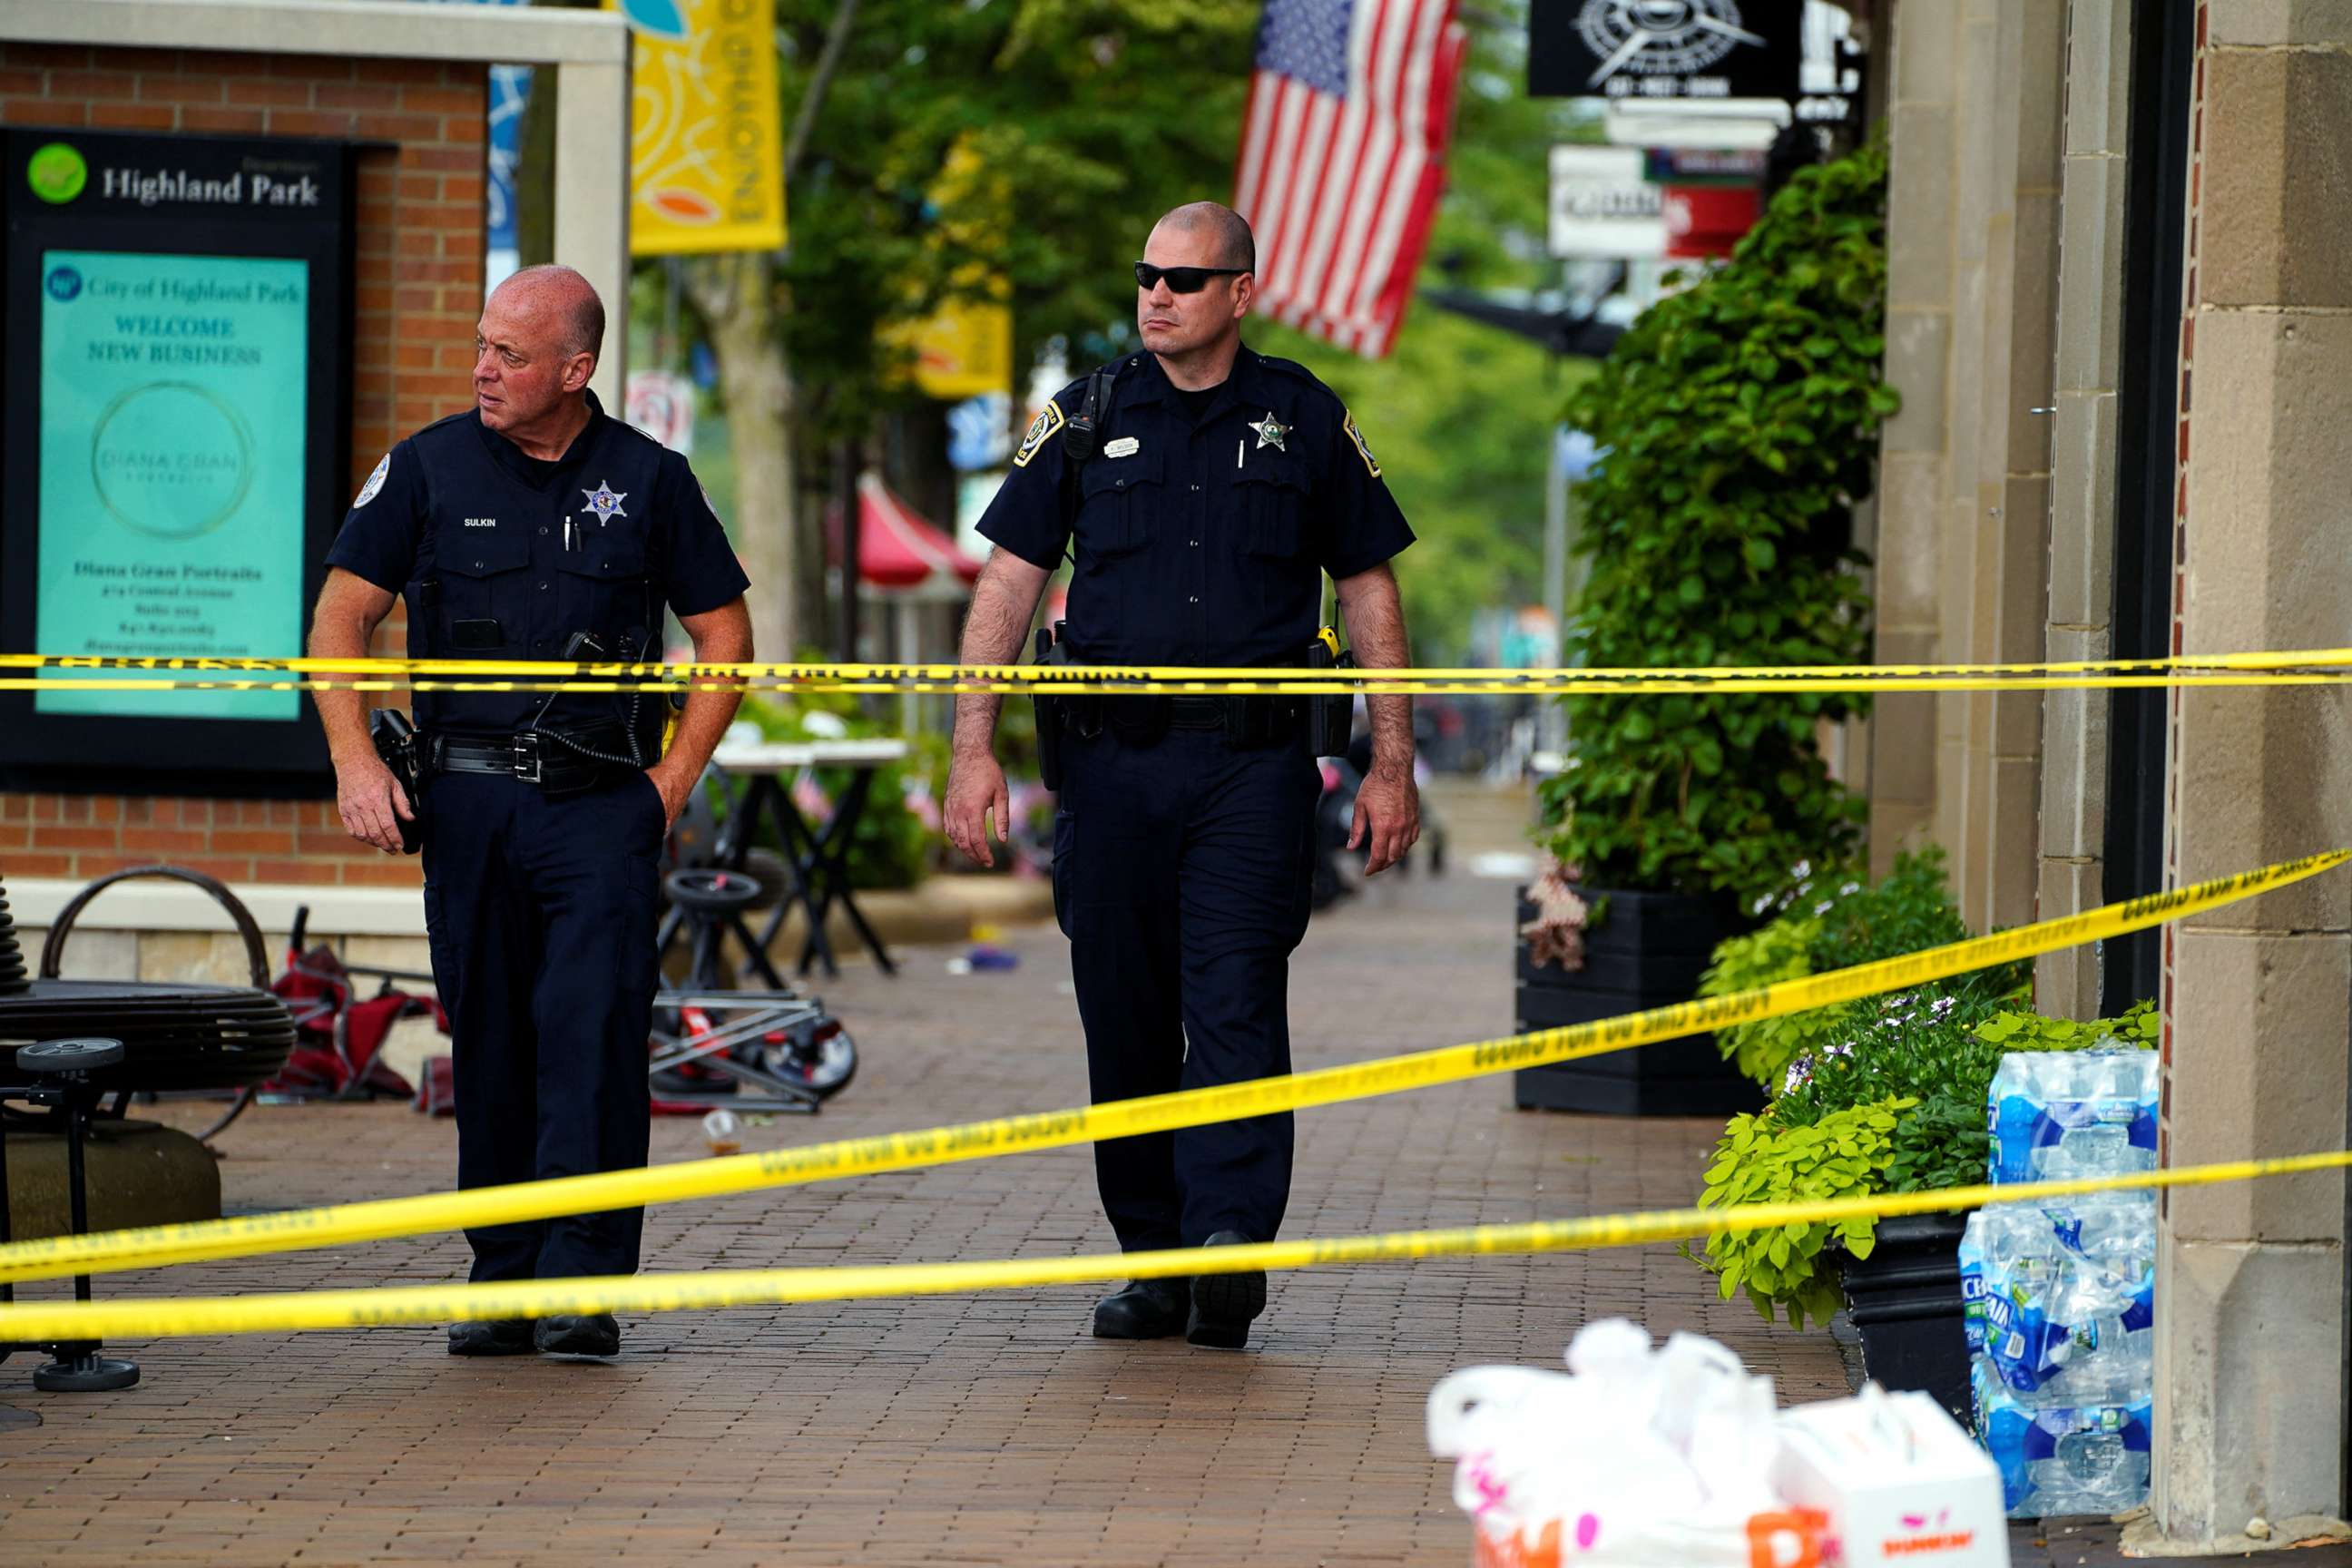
[(2089, 331), (2250, 1372), (1922, 128), (1964, 482)]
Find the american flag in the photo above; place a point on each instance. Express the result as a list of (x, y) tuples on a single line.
[(1343, 157)]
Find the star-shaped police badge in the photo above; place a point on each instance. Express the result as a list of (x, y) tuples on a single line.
[(1272, 432), (604, 503)]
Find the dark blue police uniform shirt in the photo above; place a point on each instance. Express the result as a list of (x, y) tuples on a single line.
[(1200, 543), (503, 556)]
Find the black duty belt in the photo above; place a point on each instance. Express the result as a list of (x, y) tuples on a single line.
[(530, 756), (1197, 712)]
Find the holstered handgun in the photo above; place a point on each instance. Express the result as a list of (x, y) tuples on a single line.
[(395, 742), (1050, 650), (1331, 717)]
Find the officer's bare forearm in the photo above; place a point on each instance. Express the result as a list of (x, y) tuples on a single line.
[(1375, 620), (349, 608), (1003, 602), (722, 635)]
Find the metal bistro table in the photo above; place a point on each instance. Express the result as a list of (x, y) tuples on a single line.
[(818, 859)]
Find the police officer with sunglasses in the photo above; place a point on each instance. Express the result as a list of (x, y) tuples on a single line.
[(1201, 492)]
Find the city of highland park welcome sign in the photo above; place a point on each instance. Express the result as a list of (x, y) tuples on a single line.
[(176, 420)]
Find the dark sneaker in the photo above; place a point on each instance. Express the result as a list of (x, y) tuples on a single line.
[(497, 1336), (1223, 1304), (592, 1334), (1146, 1310)]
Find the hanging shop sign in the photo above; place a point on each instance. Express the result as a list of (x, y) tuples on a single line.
[(1666, 48), (1604, 206), (176, 415)]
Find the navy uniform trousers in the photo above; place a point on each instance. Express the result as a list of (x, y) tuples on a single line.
[(1182, 874), (542, 917)]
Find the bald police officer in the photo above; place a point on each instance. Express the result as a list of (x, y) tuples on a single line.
[(536, 527), (1220, 488)]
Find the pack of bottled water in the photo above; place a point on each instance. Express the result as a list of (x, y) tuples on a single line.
[(2059, 1298), (2064, 1458), (2059, 1114)]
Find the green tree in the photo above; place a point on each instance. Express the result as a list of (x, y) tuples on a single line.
[(1088, 119)]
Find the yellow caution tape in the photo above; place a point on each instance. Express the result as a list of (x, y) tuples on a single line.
[(277, 1313), (2306, 667), (342, 1224)]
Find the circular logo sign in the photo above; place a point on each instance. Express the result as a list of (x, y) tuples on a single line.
[(63, 283), (170, 460), (57, 173)]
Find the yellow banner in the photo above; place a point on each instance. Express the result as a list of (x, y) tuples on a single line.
[(965, 348), (706, 131), (296, 1230)]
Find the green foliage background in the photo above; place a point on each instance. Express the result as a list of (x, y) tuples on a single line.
[(1096, 116), (1740, 418)]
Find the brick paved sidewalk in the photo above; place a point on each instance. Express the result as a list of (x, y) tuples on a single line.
[(981, 1429)]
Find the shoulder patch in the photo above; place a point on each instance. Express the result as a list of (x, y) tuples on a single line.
[(1363, 451), (369, 490), (1048, 420)]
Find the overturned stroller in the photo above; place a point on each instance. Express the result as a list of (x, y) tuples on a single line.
[(777, 1049)]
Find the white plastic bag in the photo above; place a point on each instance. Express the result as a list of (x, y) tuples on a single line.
[(1639, 1456)]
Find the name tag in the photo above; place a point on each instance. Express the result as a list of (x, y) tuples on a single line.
[(1125, 447)]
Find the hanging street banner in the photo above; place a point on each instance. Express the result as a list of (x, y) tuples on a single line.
[(706, 131), (962, 350)]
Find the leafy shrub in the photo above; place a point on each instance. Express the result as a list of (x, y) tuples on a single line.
[(1893, 1101), (1739, 420), (1843, 1154), (1838, 926)]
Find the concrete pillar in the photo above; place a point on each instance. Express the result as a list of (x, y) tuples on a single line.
[(2250, 1367), (1965, 477), (1923, 123), (2088, 333), (592, 207)]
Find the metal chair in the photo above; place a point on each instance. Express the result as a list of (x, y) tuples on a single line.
[(58, 1073)]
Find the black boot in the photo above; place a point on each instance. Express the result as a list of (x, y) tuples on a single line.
[(496, 1336), (592, 1333), (1223, 1304), (1146, 1310)]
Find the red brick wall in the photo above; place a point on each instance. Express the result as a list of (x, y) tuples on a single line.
[(417, 257)]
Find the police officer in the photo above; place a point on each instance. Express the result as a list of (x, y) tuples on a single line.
[(534, 526), (1219, 487)]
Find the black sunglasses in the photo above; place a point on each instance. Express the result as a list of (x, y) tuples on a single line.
[(1181, 279)]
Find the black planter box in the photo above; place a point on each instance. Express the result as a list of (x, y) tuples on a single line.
[(1904, 1301), (1648, 951)]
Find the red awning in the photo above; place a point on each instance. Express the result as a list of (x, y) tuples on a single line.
[(896, 548)]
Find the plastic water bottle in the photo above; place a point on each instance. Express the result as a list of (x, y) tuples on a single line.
[(2065, 1298), (2064, 1459), (2059, 1114)]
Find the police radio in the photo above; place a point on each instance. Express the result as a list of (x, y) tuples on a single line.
[(1330, 717)]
